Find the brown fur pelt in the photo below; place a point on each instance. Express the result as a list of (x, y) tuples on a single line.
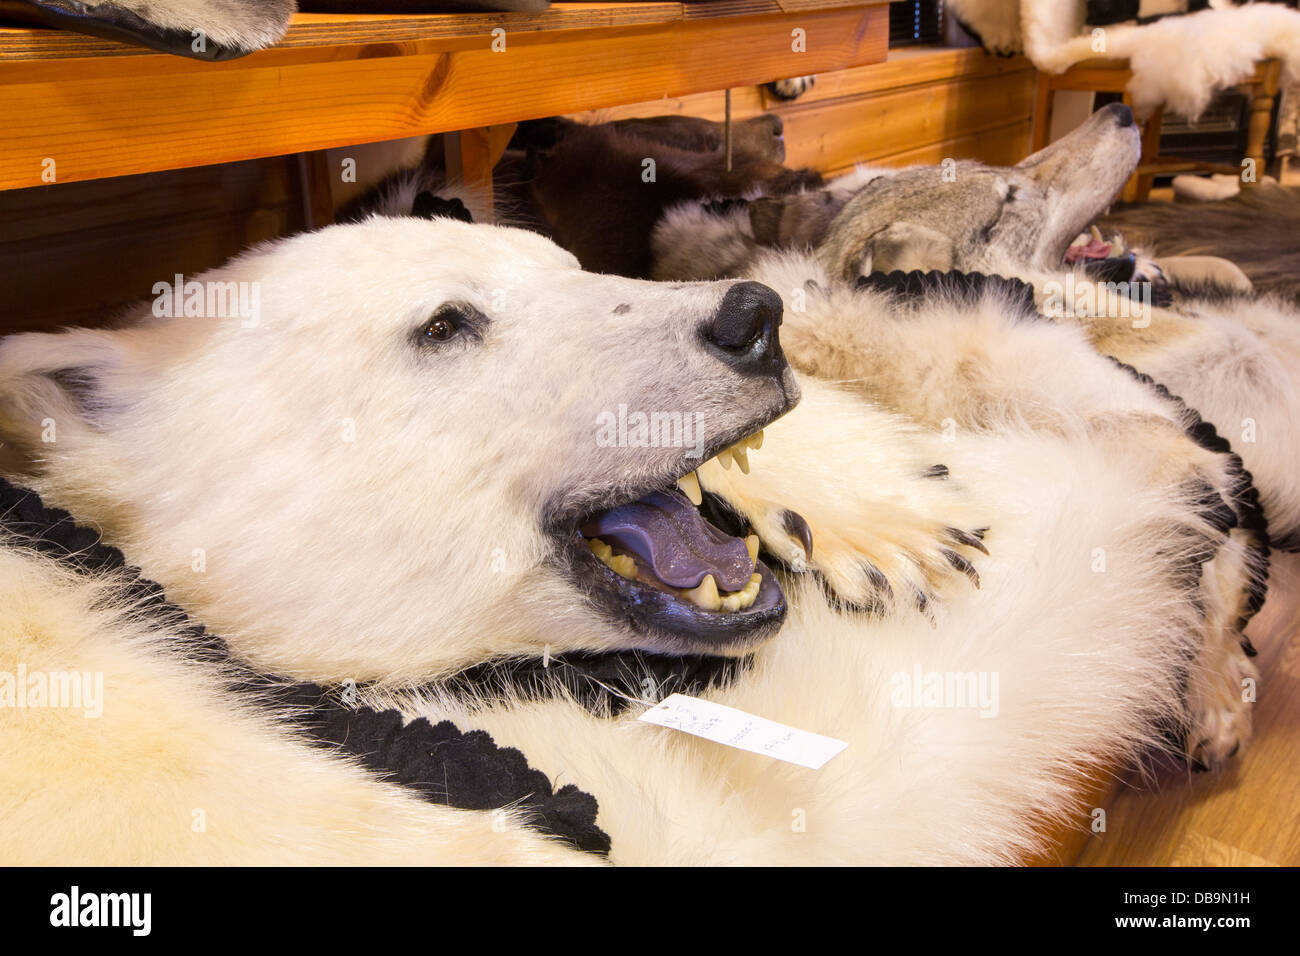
[(593, 187), (1258, 229)]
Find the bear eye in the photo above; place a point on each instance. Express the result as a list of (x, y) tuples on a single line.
[(444, 324), (452, 322), (441, 328)]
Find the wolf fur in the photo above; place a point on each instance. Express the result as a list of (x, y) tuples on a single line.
[(419, 545)]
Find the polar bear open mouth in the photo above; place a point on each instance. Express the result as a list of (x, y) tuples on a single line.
[(659, 565)]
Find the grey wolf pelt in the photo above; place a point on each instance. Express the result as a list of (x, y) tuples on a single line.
[(599, 189), (962, 215), (389, 474), (1258, 230), (1232, 355)]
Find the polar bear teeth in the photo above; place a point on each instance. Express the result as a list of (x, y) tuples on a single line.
[(739, 452), (689, 483), (706, 595)]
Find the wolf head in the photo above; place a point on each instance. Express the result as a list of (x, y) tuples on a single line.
[(381, 464), (958, 215)]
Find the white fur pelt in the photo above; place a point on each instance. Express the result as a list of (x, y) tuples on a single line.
[(370, 507), (1177, 62), (174, 770), (1232, 355), (1087, 662)]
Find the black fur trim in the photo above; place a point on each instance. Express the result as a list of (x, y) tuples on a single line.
[(605, 684), (1245, 496), (442, 763), (967, 288)]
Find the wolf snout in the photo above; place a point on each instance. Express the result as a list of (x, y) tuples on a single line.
[(744, 328), (1123, 114)]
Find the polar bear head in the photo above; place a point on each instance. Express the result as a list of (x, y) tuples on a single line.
[(386, 450)]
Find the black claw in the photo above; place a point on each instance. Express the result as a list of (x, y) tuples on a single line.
[(873, 606), (966, 538), (1248, 647), (923, 605), (962, 565), (796, 527), (936, 471), (980, 533), (878, 580), (1235, 747)]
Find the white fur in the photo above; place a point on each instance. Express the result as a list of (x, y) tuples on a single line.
[(1177, 62), (327, 559), (175, 771), (329, 384), (1085, 660)]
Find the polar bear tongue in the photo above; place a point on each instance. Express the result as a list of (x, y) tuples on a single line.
[(666, 531)]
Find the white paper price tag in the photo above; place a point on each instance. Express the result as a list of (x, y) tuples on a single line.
[(735, 728)]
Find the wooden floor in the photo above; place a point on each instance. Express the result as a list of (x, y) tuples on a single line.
[(1249, 815)]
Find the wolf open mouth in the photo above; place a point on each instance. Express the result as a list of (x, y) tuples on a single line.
[(659, 565)]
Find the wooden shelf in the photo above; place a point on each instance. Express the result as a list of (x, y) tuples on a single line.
[(99, 108), (320, 29)]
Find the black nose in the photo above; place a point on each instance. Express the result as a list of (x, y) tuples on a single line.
[(1123, 115), (744, 328)]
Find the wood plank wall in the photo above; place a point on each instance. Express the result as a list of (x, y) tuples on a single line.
[(76, 253)]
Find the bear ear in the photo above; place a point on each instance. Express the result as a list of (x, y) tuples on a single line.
[(429, 206), (906, 246), (52, 383)]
